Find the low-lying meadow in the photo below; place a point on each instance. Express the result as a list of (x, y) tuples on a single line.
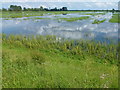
[(48, 62), (115, 18)]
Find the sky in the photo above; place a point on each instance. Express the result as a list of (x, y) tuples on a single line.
[(70, 4)]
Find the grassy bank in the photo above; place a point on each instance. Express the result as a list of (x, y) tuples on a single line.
[(46, 62), (74, 18), (94, 14), (98, 21), (19, 14), (115, 18)]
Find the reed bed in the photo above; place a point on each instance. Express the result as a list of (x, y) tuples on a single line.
[(102, 50)]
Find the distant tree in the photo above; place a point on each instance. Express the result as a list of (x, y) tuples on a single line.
[(55, 9), (19, 8), (15, 8), (24, 9), (41, 8), (9, 9), (3, 9), (113, 10), (28, 9), (107, 10), (64, 8), (12, 7), (60, 9), (46, 9)]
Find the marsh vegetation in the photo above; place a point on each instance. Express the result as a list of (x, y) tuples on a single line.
[(115, 18), (98, 21), (50, 62), (67, 49)]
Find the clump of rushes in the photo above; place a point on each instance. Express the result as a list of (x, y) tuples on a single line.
[(37, 57), (74, 18), (98, 21), (78, 47)]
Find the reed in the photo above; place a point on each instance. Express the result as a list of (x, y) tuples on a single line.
[(97, 49)]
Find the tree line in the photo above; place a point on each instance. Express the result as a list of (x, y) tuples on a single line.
[(19, 8)]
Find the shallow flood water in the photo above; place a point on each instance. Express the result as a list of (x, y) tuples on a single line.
[(81, 29)]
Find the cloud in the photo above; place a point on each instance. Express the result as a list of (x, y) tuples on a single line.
[(60, 1), (44, 6), (70, 5)]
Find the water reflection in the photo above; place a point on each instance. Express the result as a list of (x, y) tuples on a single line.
[(73, 30)]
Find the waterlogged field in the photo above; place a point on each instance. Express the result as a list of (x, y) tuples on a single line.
[(64, 24), (69, 49)]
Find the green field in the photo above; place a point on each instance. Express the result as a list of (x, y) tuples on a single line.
[(46, 62), (115, 18), (74, 18), (94, 14), (19, 14)]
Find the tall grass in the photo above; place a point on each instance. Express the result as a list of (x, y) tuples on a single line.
[(46, 62), (78, 47)]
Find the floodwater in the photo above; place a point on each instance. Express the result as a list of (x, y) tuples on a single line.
[(81, 29)]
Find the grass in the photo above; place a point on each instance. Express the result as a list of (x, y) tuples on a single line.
[(20, 14), (34, 18), (7, 19), (94, 14), (10, 14), (41, 18), (74, 18), (115, 18), (13, 14), (98, 21), (45, 62)]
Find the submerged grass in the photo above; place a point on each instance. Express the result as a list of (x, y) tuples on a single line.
[(98, 21), (74, 18), (115, 18), (46, 62)]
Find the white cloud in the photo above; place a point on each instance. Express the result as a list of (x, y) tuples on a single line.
[(99, 4), (59, 1), (88, 5), (44, 6)]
